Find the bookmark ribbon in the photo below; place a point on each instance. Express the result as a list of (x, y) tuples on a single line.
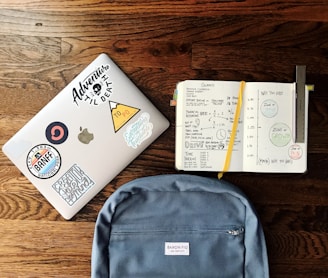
[(234, 130)]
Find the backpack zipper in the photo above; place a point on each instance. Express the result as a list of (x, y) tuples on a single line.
[(233, 231), (236, 232)]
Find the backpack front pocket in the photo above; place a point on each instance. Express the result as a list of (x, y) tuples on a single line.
[(184, 251)]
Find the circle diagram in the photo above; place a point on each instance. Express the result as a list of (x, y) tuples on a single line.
[(280, 134), (269, 108), (295, 152)]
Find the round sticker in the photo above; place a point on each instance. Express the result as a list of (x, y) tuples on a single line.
[(57, 133), (43, 161)]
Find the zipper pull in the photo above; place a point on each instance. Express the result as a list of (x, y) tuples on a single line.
[(236, 232)]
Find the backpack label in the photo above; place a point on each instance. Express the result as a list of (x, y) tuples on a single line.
[(177, 249)]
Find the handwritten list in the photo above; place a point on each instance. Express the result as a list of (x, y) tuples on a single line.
[(264, 140)]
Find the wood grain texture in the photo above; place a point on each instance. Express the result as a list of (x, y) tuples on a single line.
[(45, 248), (45, 44)]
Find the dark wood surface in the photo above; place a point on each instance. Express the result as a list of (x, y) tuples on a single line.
[(45, 44)]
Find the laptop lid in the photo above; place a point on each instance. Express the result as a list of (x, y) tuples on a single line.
[(85, 136)]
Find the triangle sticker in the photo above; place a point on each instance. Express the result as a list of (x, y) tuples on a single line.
[(121, 114)]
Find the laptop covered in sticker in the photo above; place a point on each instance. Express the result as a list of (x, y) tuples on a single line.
[(85, 136)]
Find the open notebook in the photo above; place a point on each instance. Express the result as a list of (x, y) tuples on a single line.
[(264, 135)]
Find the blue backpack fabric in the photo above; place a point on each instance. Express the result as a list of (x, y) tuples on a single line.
[(178, 226)]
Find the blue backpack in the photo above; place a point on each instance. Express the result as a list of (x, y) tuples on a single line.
[(178, 226)]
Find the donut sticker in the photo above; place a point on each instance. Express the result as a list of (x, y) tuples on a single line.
[(57, 133), (43, 161)]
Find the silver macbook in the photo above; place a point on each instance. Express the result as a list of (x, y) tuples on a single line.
[(85, 136)]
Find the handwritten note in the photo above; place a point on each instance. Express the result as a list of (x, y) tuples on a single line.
[(270, 125), (264, 141)]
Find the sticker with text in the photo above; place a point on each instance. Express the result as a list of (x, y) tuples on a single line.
[(43, 161), (139, 131), (95, 89), (73, 185), (121, 114)]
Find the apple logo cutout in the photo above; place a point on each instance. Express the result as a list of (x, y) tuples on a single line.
[(85, 136)]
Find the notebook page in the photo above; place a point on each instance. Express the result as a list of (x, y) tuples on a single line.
[(205, 114)]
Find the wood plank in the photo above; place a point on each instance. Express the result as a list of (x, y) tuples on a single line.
[(29, 87), (88, 24), (83, 49), (299, 268), (305, 257), (219, 32), (318, 107), (26, 88), (50, 249), (24, 49), (293, 218), (154, 53), (134, 25), (264, 60), (315, 10), (266, 32), (310, 245)]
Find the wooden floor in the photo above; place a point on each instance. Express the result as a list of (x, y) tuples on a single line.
[(45, 43)]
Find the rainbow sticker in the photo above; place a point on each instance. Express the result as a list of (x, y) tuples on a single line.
[(43, 161), (121, 114)]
